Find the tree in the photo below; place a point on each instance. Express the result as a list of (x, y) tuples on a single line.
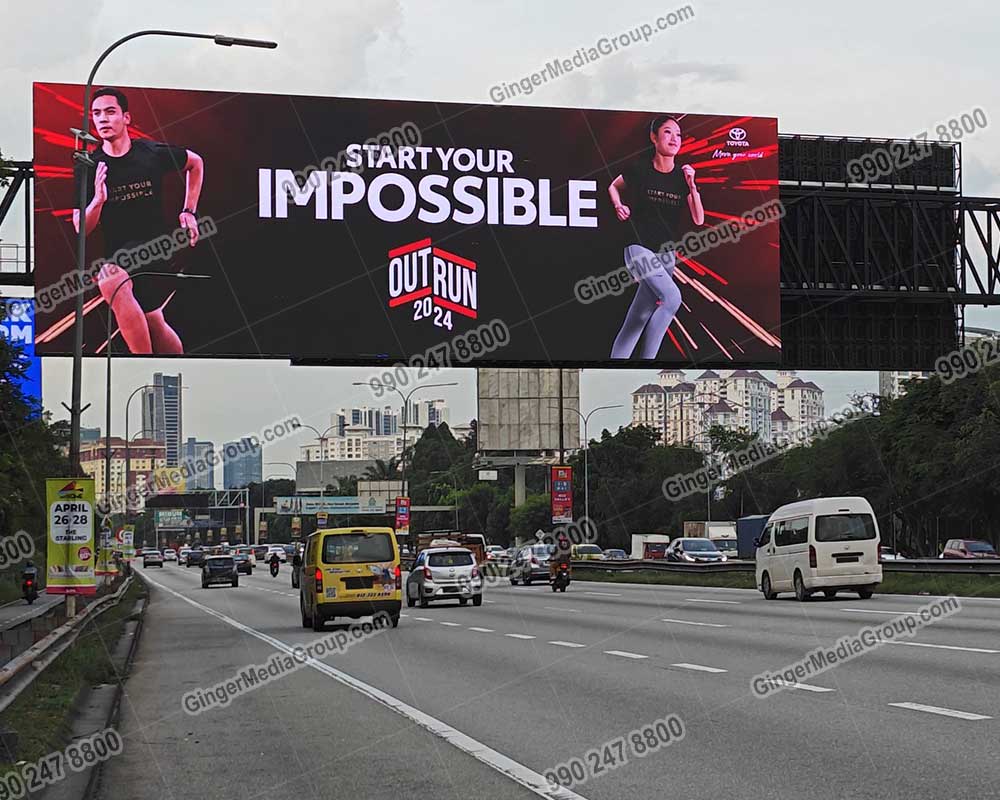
[(4, 172), (380, 471), (534, 515)]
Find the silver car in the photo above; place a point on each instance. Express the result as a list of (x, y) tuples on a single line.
[(530, 563), (444, 573)]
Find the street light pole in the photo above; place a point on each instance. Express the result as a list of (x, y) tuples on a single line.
[(586, 451), (320, 437), (107, 397), (83, 159)]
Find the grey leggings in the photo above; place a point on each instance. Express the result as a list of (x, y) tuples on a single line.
[(655, 303)]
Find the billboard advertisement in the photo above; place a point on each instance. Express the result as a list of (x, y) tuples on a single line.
[(451, 233), (402, 515), (562, 495), (70, 553), (17, 326)]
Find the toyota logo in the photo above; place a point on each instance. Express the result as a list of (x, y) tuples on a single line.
[(737, 134)]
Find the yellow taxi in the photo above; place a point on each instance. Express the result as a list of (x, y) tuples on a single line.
[(587, 552), (350, 572)]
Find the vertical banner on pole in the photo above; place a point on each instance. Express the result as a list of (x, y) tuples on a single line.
[(562, 495), (70, 542), (402, 515)]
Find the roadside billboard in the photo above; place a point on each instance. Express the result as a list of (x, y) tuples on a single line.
[(474, 234), (17, 326), (70, 552)]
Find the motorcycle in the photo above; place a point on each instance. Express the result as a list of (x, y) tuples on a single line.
[(274, 567), (29, 587), (561, 579)]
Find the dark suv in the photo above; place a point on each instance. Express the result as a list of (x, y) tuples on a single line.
[(219, 569), (968, 548), (196, 558)]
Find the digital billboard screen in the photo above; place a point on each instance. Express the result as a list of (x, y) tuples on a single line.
[(363, 231)]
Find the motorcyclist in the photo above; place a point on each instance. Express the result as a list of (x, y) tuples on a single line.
[(561, 555), (275, 563)]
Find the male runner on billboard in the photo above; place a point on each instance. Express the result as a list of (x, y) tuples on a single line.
[(126, 201), (659, 191)]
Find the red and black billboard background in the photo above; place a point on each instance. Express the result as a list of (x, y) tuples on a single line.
[(308, 288)]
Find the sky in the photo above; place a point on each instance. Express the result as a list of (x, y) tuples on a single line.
[(886, 69)]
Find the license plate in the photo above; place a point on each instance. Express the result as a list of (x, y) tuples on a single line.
[(331, 592)]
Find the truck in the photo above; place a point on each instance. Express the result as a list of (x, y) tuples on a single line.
[(475, 542), (748, 529), (649, 545)]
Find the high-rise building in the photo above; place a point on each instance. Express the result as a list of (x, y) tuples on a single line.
[(196, 452), (144, 455), (892, 384), (363, 433), (89, 434), (162, 414), (242, 464)]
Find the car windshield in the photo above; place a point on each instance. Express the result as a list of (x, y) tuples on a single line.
[(220, 562), (452, 558), (542, 550), (725, 544), (844, 527), (588, 548), (699, 546), (979, 547), (353, 548)]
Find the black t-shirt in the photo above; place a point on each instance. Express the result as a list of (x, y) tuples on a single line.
[(658, 201), (133, 213)]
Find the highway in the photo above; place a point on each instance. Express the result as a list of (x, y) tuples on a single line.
[(465, 702)]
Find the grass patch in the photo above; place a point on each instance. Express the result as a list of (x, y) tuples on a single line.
[(893, 582), (41, 714)]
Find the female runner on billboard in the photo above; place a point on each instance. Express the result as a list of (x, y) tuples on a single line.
[(659, 192)]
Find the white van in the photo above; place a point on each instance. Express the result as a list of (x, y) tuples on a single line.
[(827, 544)]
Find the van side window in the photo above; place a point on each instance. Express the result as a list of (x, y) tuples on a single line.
[(798, 530), (781, 534)]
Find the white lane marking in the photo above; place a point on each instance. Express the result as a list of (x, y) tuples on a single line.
[(806, 687), (699, 668), (689, 622), (519, 636), (482, 630), (720, 602), (489, 601), (424, 619), (876, 611), (452, 624), (404, 615), (947, 647), (514, 770), (624, 654), (567, 644), (603, 594), (945, 712), (570, 610)]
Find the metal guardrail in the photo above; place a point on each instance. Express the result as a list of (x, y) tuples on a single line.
[(14, 677)]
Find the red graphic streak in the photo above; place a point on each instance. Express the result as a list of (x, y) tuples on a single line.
[(737, 345), (66, 322), (670, 333), (403, 299), (467, 312), (740, 316), (49, 171), (723, 349), (409, 248), (452, 257), (687, 335), (701, 269)]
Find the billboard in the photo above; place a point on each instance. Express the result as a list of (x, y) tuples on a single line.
[(17, 326), (469, 234), (562, 495), (303, 504), (518, 409), (70, 553), (169, 480)]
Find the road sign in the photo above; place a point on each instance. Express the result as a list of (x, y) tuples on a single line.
[(488, 475)]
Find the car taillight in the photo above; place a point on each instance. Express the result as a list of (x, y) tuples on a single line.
[(29, 582), (878, 555), (398, 572), (534, 561), (475, 572), (319, 581), (812, 557), (427, 573)]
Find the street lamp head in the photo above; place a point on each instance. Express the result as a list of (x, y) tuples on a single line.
[(230, 41)]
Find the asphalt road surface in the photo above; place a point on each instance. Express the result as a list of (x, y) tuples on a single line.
[(465, 702)]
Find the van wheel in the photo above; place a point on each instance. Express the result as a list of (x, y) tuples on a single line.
[(394, 619), (830, 593), (410, 602), (306, 621), (866, 593), (318, 622), (423, 600), (800, 588), (477, 600), (765, 588)]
